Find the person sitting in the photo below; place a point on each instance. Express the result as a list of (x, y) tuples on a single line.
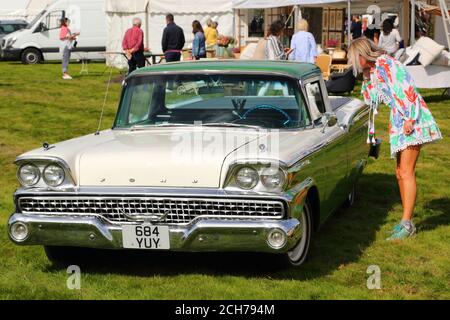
[(389, 38), (133, 46), (303, 44)]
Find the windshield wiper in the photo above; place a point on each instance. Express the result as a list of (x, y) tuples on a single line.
[(231, 125)]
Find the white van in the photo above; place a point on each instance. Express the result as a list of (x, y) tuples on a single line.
[(39, 41)]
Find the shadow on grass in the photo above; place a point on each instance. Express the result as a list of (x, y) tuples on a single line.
[(442, 218), (341, 240)]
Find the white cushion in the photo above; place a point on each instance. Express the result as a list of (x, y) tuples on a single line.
[(443, 59), (429, 50), (248, 52)]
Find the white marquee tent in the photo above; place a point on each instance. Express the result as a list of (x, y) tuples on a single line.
[(119, 15), (25, 9)]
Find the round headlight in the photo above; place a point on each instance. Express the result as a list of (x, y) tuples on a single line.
[(19, 231), (54, 175), (29, 175), (247, 178), (273, 178)]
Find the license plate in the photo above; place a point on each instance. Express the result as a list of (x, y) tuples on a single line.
[(145, 236)]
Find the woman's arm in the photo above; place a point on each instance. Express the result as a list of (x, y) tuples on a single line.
[(274, 50), (195, 46), (369, 89), (313, 44), (293, 48)]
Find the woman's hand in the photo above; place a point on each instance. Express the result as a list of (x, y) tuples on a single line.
[(408, 127), (366, 74)]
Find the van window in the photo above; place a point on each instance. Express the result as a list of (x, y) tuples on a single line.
[(53, 20)]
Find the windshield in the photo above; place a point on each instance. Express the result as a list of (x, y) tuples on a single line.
[(36, 19), (264, 101)]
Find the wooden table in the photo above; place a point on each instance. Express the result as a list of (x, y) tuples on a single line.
[(153, 56)]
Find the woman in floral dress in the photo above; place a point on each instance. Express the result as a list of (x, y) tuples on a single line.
[(411, 124)]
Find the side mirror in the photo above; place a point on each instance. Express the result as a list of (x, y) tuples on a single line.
[(330, 120)]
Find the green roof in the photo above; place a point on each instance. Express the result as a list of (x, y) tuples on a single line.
[(292, 69)]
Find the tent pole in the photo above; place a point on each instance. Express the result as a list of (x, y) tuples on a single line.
[(349, 22), (412, 39)]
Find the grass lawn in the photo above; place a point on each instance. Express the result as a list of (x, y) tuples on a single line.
[(36, 106)]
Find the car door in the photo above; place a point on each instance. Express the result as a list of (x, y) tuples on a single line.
[(331, 158)]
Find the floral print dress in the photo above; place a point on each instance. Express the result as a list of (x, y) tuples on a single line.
[(391, 84)]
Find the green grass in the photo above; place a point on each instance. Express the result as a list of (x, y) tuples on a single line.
[(36, 106)]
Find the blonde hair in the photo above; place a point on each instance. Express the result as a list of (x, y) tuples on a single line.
[(302, 25), (210, 22), (362, 47)]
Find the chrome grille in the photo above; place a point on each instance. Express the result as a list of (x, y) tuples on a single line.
[(167, 210)]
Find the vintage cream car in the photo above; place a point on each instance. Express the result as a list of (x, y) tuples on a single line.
[(252, 158)]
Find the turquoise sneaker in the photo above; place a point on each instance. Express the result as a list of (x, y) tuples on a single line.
[(401, 232)]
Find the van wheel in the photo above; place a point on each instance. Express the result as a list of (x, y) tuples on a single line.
[(31, 56), (297, 256)]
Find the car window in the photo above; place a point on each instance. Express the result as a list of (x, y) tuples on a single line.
[(256, 100), (315, 99), (141, 97)]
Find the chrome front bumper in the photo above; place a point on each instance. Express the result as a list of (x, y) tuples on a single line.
[(204, 235)]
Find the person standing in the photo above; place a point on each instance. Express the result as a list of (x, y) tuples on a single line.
[(411, 124), (274, 49), (211, 34), (172, 40), (389, 38), (356, 27), (67, 40), (133, 46), (199, 43), (303, 44)]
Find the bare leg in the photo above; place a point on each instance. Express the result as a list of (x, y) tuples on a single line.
[(399, 180), (406, 166)]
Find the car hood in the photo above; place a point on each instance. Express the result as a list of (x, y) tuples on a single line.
[(161, 158)]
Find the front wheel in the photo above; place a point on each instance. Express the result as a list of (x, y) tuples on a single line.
[(31, 56), (298, 255)]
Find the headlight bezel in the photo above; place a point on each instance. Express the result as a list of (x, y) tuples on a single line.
[(230, 183), (68, 182)]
